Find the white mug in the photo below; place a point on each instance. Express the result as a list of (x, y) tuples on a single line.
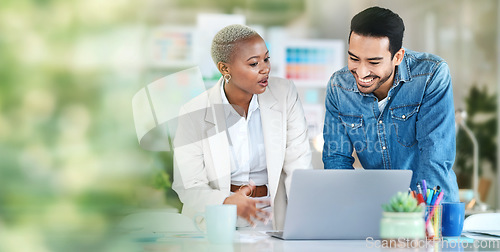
[(220, 223)]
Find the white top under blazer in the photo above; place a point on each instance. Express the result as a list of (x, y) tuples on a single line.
[(202, 170)]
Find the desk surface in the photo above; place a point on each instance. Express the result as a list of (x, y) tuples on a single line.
[(258, 241)]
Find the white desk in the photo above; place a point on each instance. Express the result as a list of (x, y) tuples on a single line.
[(250, 241)]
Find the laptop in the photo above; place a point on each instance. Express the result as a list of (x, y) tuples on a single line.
[(339, 204)]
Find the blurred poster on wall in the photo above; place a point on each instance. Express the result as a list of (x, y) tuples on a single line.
[(171, 47), (311, 62)]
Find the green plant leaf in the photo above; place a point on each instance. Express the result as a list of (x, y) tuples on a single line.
[(402, 202)]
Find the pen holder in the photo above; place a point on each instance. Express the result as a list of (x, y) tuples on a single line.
[(433, 222)]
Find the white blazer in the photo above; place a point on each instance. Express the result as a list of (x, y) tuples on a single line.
[(202, 172)]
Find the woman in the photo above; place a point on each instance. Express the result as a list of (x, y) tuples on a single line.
[(239, 142)]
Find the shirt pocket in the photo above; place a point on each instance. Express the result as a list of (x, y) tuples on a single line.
[(404, 121), (354, 126)]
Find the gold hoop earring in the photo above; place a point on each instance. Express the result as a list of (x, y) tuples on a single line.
[(227, 77)]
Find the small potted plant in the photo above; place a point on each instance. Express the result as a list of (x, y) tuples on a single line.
[(402, 221)]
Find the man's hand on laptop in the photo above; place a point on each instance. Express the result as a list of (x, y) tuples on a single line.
[(246, 207)]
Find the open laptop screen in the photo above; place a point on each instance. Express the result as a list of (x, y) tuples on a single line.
[(340, 204)]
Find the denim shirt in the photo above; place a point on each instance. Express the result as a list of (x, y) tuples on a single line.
[(415, 131)]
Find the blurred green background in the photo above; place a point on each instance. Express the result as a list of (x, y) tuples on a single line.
[(70, 162), (71, 165)]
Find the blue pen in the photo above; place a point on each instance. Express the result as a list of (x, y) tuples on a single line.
[(438, 190), (427, 195), (430, 196), (424, 188)]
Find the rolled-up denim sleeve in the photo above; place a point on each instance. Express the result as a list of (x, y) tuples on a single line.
[(337, 149), (436, 135)]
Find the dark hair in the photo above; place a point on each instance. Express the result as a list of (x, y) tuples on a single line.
[(379, 22)]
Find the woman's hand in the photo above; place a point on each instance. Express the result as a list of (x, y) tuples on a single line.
[(246, 207)]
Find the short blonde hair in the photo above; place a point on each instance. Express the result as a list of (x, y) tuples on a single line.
[(225, 40)]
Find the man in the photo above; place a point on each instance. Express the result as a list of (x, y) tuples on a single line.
[(393, 106)]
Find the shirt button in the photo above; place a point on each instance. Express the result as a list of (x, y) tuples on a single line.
[(388, 98), (383, 148), (403, 116), (380, 121), (352, 125)]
